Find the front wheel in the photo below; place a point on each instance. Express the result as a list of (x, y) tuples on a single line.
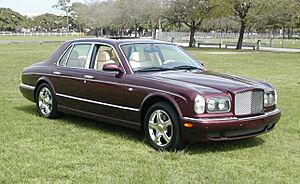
[(45, 101), (162, 128)]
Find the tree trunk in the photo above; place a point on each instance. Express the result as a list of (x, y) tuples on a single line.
[(154, 33), (241, 37), (290, 34), (97, 32), (192, 37), (136, 30)]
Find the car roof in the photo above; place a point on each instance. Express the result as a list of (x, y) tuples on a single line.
[(119, 40)]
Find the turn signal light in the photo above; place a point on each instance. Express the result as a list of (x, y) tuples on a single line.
[(188, 125)]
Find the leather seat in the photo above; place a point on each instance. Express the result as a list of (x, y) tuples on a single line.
[(137, 60), (75, 61), (103, 58)]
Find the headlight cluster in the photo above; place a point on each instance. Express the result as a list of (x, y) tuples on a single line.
[(214, 105), (218, 104), (270, 98)]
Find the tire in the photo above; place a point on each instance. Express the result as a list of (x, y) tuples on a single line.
[(162, 128), (45, 101)]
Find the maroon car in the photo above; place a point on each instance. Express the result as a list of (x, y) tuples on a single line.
[(152, 86)]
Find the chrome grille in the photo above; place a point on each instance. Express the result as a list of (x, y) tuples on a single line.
[(249, 102)]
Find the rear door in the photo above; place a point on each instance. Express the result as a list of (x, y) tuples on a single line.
[(69, 76)]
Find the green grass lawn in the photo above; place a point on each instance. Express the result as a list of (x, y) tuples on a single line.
[(72, 149)]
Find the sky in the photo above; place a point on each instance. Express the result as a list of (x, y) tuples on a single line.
[(33, 7)]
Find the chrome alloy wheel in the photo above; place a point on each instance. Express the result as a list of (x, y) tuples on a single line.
[(160, 128), (45, 101)]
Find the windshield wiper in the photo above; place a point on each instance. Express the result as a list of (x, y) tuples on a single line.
[(151, 69), (186, 67)]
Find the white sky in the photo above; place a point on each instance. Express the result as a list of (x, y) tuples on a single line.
[(33, 7)]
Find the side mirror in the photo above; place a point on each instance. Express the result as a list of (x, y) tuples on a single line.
[(112, 67)]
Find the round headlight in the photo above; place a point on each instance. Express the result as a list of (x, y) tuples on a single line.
[(211, 105), (271, 98), (222, 105), (199, 106)]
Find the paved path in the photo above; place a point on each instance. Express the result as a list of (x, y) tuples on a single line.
[(267, 49), (279, 49)]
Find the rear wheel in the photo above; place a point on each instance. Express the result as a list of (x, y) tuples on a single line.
[(162, 128), (45, 101)]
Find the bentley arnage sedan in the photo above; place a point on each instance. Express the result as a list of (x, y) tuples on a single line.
[(152, 86)]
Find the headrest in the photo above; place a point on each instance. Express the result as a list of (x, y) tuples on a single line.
[(74, 54), (136, 56), (103, 56)]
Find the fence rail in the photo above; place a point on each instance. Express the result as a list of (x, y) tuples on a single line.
[(266, 39), (6, 33)]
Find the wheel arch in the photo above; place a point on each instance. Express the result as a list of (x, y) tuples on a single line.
[(40, 81), (157, 97)]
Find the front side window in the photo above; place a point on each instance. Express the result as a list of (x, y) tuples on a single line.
[(78, 57), (103, 54), (157, 56)]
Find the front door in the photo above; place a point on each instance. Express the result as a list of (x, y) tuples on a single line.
[(106, 89)]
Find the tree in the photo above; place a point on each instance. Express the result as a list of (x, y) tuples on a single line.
[(154, 11), (65, 6), (191, 13), (241, 11), (11, 20), (97, 15), (48, 22), (280, 14)]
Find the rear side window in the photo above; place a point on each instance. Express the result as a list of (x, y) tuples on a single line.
[(76, 56), (63, 60)]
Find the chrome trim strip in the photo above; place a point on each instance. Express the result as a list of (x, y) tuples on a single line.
[(64, 52), (25, 86), (234, 118), (106, 82), (98, 103), (93, 43), (159, 42), (126, 60)]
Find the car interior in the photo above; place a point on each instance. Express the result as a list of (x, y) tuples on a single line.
[(102, 55)]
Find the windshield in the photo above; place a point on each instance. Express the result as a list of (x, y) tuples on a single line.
[(150, 57)]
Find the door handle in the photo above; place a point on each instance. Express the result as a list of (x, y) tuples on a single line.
[(88, 76), (57, 73)]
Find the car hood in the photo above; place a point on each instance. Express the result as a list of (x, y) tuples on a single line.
[(219, 81)]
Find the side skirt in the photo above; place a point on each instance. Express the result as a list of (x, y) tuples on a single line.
[(101, 118)]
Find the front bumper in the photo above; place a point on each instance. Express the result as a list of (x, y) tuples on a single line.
[(220, 129)]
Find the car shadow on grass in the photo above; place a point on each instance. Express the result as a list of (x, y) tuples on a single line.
[(224, 146), (92, 124), (138, 136)]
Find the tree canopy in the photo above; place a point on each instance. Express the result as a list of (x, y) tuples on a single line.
[(122, 17)]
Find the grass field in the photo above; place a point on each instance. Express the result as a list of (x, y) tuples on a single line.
[(72, 149)]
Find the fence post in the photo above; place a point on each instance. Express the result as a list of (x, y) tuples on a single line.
[(271, 42), (258, 45)]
